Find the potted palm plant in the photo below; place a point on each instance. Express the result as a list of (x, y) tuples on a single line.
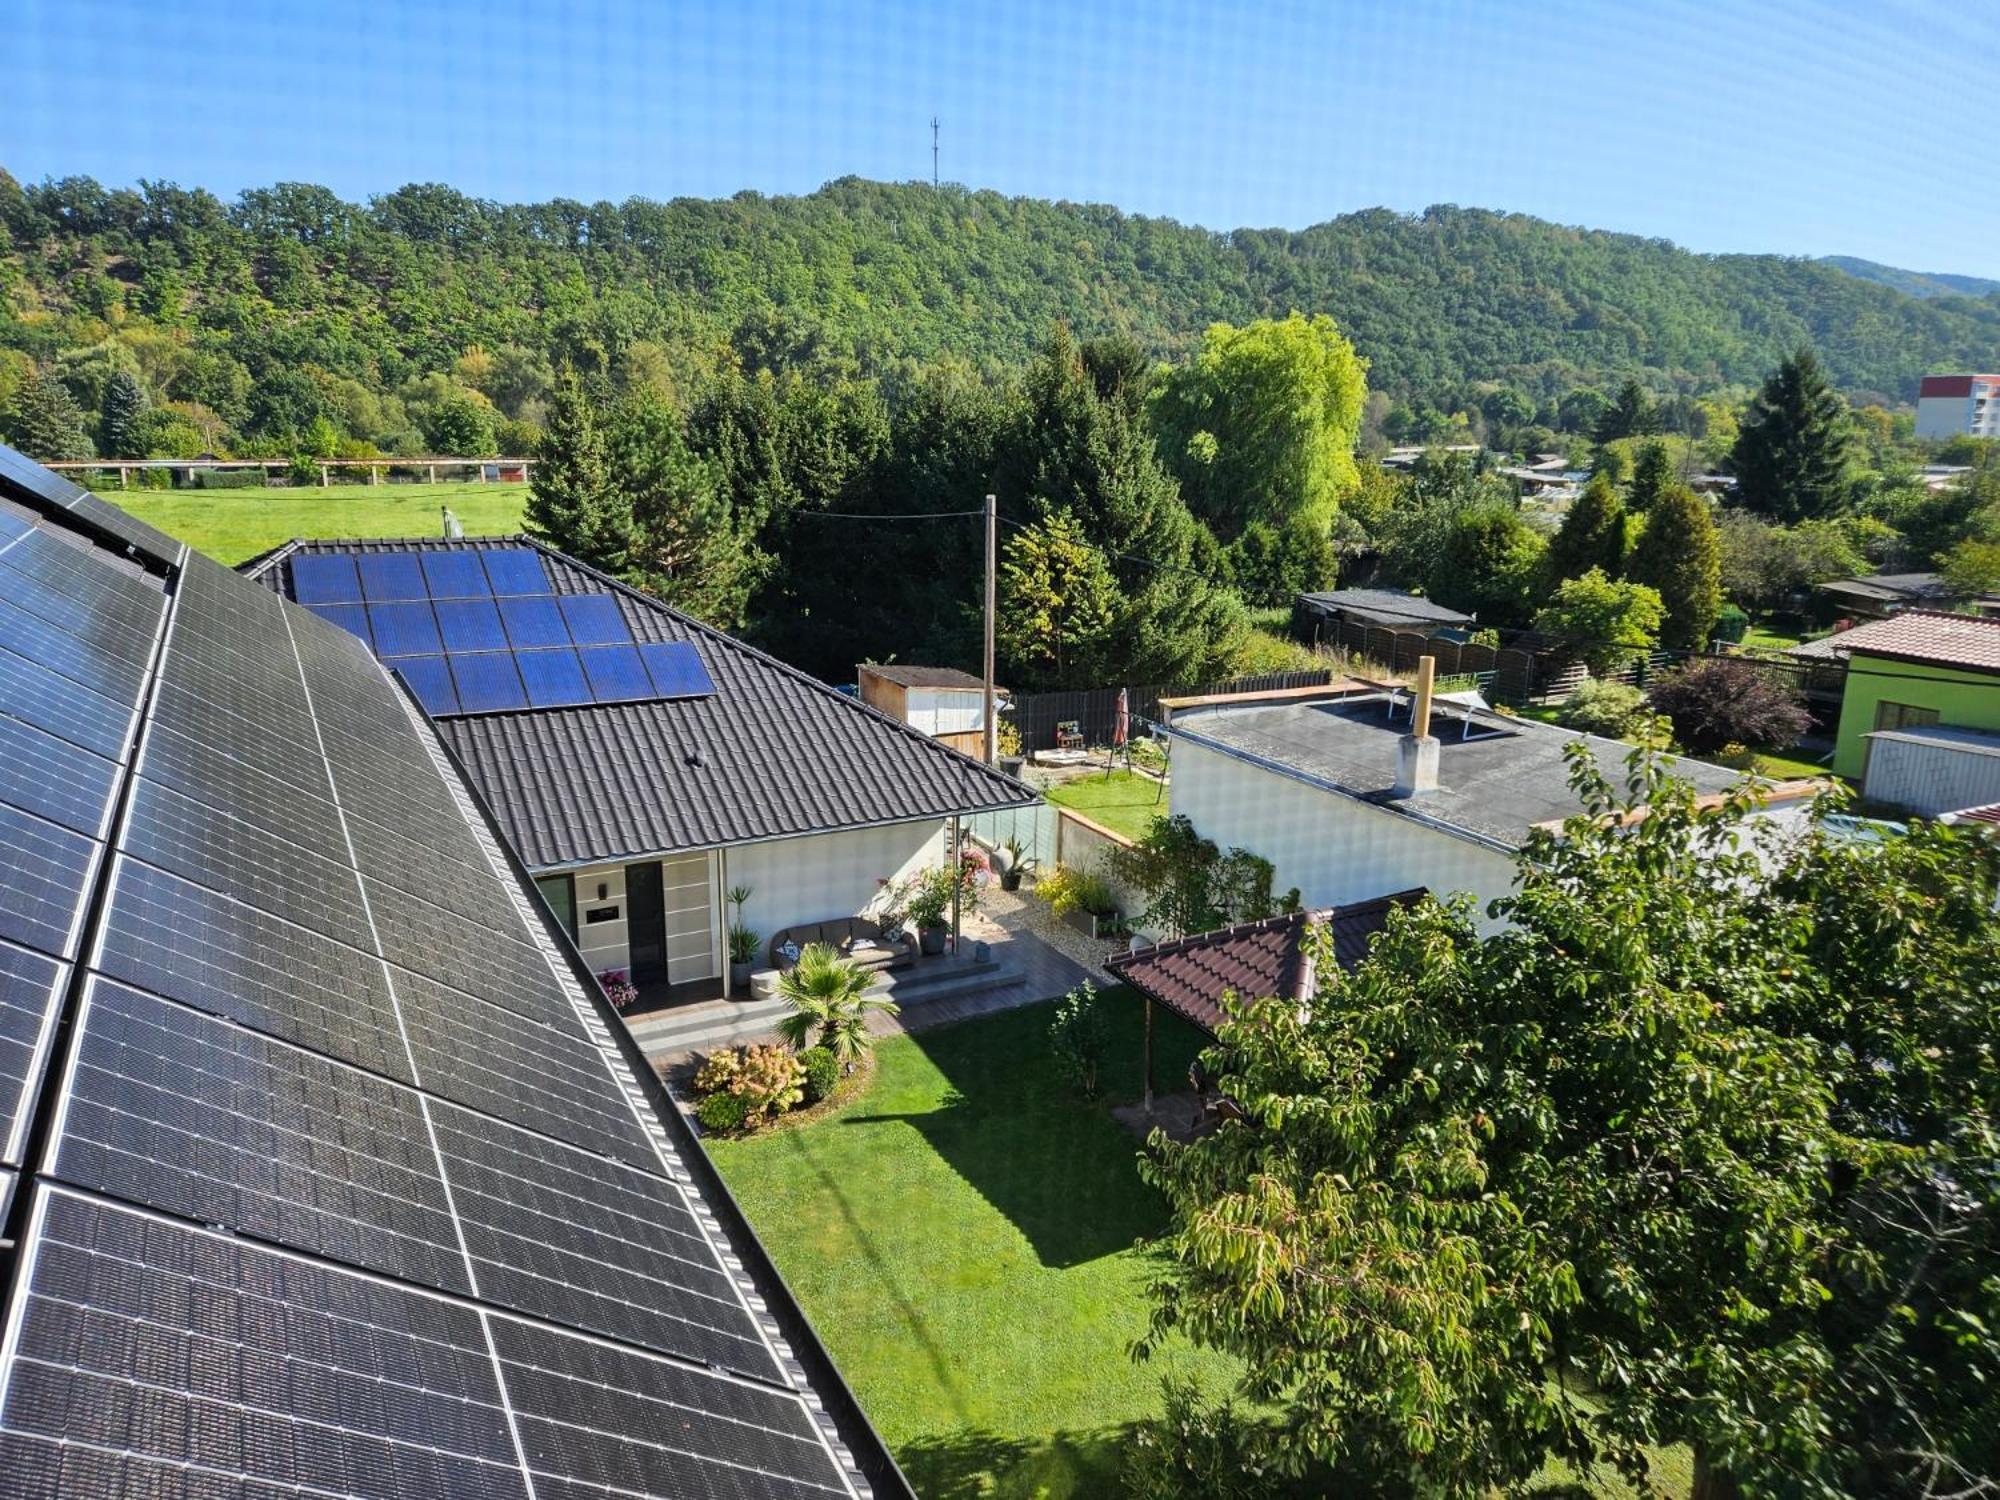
[(1012, 861), (830, 1005), (742, 941)]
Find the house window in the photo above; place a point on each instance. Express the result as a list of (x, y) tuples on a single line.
[(560, 893), (1903, 716)]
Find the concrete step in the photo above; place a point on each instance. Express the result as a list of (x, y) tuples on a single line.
[(717, 1023)]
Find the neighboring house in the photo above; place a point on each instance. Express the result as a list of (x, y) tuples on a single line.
[(642, 763), (1918, 668), (942, 702), (1192, 976), (325, 1169), (1950, 406), (1391, 607), (1329, 793), (1881, 595), (1929, 770)]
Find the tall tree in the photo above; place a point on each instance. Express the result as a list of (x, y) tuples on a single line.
[(1604, 621), (1680, 554), (573, 504), (1792, 454), (1057, 605), (1488, 564), (1652, 471), (44, 421), (1592, 535), (1260, 424), (1632, 414), (121, 425), (685, 545)]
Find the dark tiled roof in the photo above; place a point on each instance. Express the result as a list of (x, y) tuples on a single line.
[(925, 677), (1252, 960), (1891, 587), (1388, 606), (774, 753), (1925, 635)]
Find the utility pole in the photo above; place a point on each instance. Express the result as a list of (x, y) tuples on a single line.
[(934, 152), (992, 569)]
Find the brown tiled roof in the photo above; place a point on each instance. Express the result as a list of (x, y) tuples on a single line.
[(1988, 814), (1927, 635), (1252, 960)]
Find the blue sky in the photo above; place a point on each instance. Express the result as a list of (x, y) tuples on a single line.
[(1863, 129)]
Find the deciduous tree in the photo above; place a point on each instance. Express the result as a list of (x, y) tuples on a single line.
[(1604, 621)]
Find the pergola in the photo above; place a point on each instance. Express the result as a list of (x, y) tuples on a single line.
[(1191, 976)]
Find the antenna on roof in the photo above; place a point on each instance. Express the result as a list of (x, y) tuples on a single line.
[(934, 151)]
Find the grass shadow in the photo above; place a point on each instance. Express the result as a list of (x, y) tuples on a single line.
[(1055, 1165), (973, 1464)]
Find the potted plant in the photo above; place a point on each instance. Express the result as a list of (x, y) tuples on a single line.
[(1012, 861), (618, 989), (742, 954), (930, 904)]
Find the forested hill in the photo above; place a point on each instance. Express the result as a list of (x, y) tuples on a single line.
[(291, 278), (1916, 283)]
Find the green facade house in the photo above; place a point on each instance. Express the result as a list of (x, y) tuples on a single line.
[(1911, 671)]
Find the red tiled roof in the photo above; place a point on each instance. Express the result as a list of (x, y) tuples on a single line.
[(1928, 635), (1252, 960), (1988, 814)]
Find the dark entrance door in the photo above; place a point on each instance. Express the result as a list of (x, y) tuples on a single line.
[(646, 923)]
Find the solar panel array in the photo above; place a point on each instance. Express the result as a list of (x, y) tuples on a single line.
[(337, 1184), (482, 630)]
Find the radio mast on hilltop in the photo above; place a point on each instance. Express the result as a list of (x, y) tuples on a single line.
[(934, 153)]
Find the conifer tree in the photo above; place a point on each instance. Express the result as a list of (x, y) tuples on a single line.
[(572, 503), (1652, 472), (44, 421), (122, 422), (1592, 534), (1631, 415), (1680, 556), (1791, 456)]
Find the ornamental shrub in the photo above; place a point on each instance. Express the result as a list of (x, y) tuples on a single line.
[(770, 1081), (822, 1072), (718, 1071), (1599, 707), (1081, 1038), (722, 1113), (1713, 701)]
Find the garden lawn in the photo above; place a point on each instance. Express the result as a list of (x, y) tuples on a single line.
[(963, 1238), (232, 525), (1125, 802)]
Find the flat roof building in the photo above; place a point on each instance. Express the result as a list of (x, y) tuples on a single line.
[(1950, 406)]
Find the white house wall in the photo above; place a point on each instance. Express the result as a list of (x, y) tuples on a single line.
[(602, 944), (1334, 849), (824, 875)]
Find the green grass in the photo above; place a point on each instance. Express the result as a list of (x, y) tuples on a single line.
[(964, 1238), (1768, 639), (1124, 802), (231, 525)]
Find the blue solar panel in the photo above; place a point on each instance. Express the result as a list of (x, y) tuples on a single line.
[(488, 681), (352, 618), (596, 620), (430, 680), (403, 630), (455, 575), (392, 575), (616, 673), (677, 669), (325, 580), (515, 570), (470, 625), (533, 622), (554, 678)]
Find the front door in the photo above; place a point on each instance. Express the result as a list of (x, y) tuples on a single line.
[(646, 923)]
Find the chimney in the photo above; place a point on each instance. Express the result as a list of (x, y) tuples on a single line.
[(1417, 751)]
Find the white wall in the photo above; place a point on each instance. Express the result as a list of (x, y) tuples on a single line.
[(946, 710), (602, 944), (825, 875), (1944, 416), (1926, 780), (1334, 849)]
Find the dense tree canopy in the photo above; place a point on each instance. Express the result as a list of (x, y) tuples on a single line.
[(1679, 555), (1793, 452)]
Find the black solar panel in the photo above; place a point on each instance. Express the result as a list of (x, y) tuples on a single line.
[(533, 622), (595, 620), (328, 1178), (554, 678), (515, 570), (470, 625), (321, 578), (677, 669)]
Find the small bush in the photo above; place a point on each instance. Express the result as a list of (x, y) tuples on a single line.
[(618, 989), (1714, 701), (718, 1071), (721, 1113), (1067, 890), (226, 479), (1598, 707), (770, 1081), (822, 1072), (1081, 1037)]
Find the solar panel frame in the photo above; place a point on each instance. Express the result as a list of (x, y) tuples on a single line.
[(516, 570), (676, 669), (487, 682), (45, 874), (325, 578), (451, 574), (391, 577), (595, 620), (30, 986), (554, 678), (470, 625)]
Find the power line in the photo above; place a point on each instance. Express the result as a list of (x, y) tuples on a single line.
[(925, 515)]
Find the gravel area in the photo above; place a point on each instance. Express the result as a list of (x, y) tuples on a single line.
[(1019, 911)]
